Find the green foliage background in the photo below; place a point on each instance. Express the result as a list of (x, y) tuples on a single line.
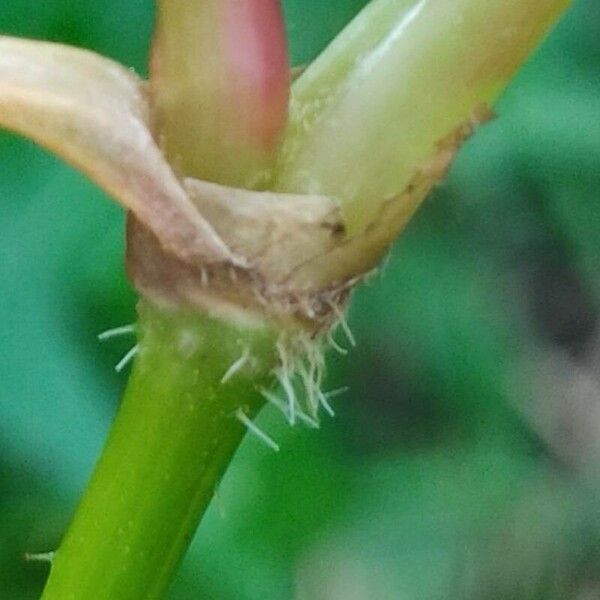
[(464, 463)]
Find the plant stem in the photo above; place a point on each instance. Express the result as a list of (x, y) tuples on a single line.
[(364, 117), (171, 442), (220, 86), (368, 113)]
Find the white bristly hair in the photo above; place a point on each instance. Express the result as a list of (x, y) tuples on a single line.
[(254, 429)]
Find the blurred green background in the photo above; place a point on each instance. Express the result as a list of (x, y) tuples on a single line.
[(464, 462)]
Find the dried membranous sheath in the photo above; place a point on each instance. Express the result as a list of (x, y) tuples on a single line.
[(253, 212)]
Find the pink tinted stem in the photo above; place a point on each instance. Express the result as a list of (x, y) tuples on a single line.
[(219, 85)]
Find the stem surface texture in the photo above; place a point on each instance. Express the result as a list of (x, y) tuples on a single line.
[(174, 435)]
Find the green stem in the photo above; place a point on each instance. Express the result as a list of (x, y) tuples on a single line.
[(368, 113), (171, 442)]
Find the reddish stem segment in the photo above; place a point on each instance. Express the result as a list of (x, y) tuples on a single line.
[(220, 84)]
